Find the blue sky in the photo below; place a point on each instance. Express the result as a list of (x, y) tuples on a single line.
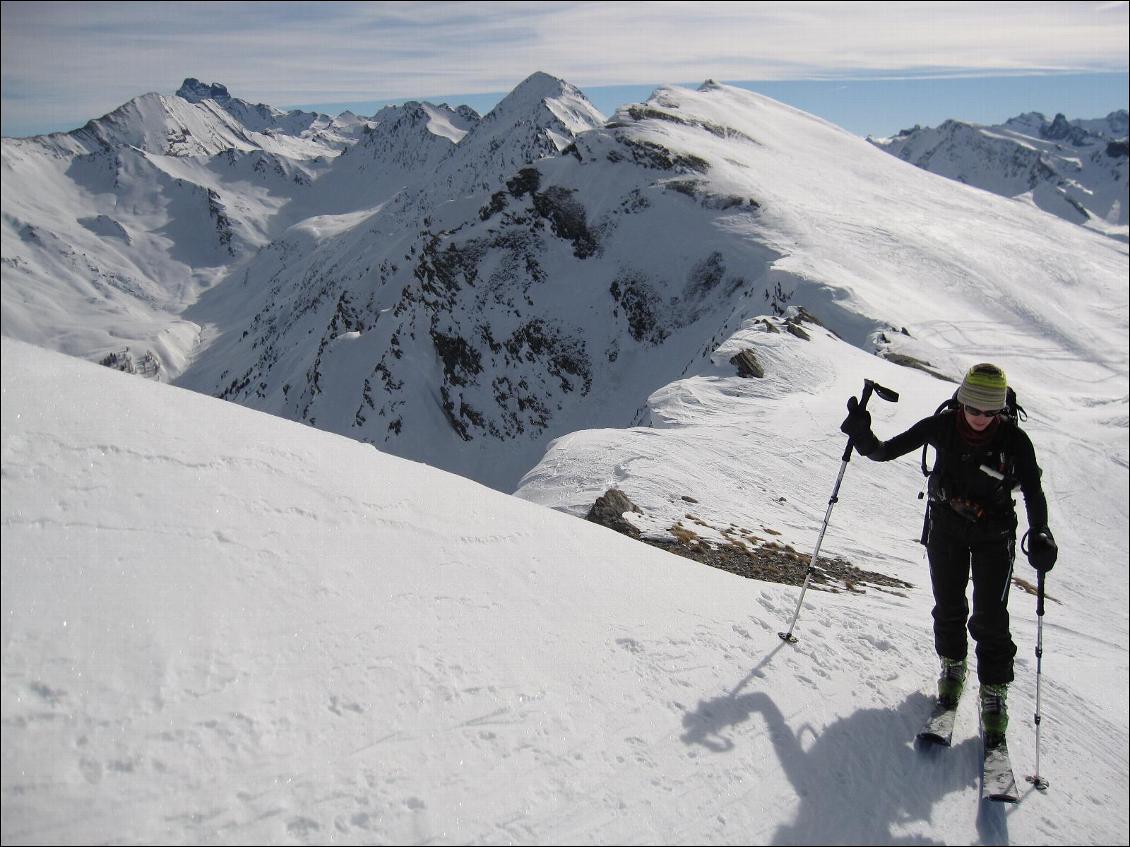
[(870, 67)]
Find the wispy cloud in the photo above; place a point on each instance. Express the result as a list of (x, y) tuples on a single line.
[(73, 61)]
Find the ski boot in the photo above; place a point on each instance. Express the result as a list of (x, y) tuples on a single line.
[(951, 682), (994, 713)]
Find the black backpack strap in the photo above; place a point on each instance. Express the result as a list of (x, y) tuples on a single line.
[(951, 403)]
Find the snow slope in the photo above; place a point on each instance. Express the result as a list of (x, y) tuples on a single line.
[(222, 627)]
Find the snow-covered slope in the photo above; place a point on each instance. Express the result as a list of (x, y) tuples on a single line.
[(104, 251), (1076, 170), (222, 627)]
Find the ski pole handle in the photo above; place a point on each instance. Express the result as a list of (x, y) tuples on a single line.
[(869, 386), (1039, 594)]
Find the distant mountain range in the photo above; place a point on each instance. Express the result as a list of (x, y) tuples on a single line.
[(1074, 169), (461, 289)]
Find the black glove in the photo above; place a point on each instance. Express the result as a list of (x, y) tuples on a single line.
[(858, 422), (1042, 550)]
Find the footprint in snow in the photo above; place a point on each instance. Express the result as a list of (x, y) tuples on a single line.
[(630, 644), (302, 827)]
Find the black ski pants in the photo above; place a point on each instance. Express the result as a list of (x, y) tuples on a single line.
[(985, 549)]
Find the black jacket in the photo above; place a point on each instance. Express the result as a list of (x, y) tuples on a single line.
[(958, 471)]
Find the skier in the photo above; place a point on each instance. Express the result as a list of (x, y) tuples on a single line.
[(982, 456)]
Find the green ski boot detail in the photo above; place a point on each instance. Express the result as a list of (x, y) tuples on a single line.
[(994, 713), (951, 682)]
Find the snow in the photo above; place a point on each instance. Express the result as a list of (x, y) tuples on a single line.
[(446, 124), (326, 226), (222, 627)]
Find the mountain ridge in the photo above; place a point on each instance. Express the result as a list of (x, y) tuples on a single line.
[(622, 262), (462, 290)]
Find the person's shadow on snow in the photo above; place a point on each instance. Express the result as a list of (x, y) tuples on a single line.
[(857, 778)]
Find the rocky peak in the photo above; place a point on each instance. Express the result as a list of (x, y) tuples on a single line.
[(468, 114), (413, 122), (1028, 123), (194, 91), (952, 125), (1119, 123), (548, 103), (1061, 129), (1058, 128), (536, 87)]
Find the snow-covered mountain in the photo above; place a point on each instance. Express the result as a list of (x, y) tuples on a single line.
[(1076, 169), (538, 119), (466, 326), (200, 121), (462, 290), (111, 231), (263, 120)]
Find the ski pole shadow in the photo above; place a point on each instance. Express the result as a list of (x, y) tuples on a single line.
[(992, 819), (704, 726), (992, 822), (857, 780)]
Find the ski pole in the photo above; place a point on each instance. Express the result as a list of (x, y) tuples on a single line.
[(890, 396), (1037, 780)]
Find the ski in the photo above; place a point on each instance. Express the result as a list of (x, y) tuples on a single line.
[(938, 728), (998, 782)]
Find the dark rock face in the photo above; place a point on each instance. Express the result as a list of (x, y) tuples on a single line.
[(1061, 130), (609, 511), (642, 308), (747, 365), (194, 91), (567, 217)]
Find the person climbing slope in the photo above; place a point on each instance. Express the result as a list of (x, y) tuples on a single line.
[(982, 456)]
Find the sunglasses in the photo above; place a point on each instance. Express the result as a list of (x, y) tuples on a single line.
[(980, 413)]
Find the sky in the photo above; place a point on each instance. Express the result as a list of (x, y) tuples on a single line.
[(873, 68)]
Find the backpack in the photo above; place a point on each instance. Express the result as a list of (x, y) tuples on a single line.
[(1014, 413)]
